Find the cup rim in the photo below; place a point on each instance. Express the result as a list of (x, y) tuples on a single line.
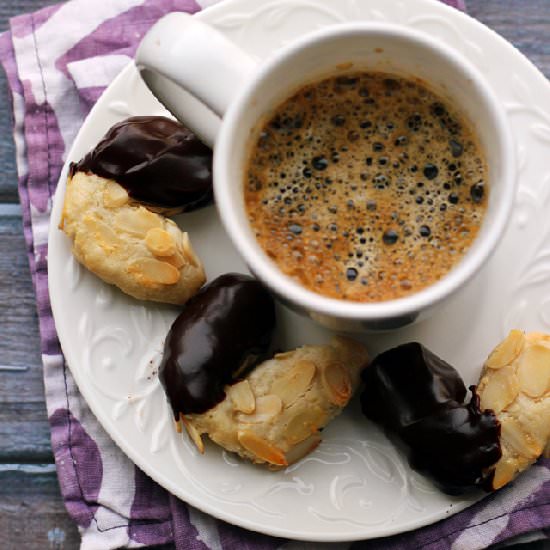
[(283, 285)]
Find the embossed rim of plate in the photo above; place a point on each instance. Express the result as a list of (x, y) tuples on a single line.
[(492, 42)]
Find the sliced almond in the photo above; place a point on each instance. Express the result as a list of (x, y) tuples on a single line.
[(226, 439), (101, 232), (538, 338), (303, 448), (261, 448), (114, 195), (337, 383), (533, 416), (303, 424), (515, 438), (534, 370), (498, 388), (177, 260), (194, 435), (295, 382), (137, 221), (505, 353), (188, 251), (242, 397), (175, 233), (505, 471), (160, 242), (267, 408), (154, 271)]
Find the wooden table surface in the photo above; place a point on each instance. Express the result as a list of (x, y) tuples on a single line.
[(30, 504)]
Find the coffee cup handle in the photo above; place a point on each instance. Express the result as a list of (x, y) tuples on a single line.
[(181, 57)]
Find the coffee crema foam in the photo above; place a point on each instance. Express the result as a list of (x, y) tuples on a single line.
[(366, 187)]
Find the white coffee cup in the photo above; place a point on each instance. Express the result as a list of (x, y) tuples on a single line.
[(181, 55)]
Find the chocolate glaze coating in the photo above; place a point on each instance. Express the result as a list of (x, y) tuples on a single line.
[(225, 328), (455, 445), (157, 160), (408, 383), (419, 397)]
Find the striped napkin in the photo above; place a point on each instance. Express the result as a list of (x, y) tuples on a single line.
[(58, 62)]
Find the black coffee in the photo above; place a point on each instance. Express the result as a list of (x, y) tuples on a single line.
[(366, 187)]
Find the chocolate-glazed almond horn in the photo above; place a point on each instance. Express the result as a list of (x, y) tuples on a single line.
[(515, 384), (275, 416), (415, 395), (157, 160), (225, 328)]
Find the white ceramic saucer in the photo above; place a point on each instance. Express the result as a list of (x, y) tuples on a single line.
[(355, 485)]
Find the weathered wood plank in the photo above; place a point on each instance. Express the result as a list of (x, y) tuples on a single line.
[(19, 342), (8, 175), (24, 430), (24, 433), (31, 508)]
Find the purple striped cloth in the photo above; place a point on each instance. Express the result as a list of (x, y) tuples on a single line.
[(58, 61)]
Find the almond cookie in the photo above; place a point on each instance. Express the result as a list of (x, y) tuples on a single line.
[(274, 416), (515, 385), (143, 253)]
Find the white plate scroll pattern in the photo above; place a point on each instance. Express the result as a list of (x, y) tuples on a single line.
[(356, 484)]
